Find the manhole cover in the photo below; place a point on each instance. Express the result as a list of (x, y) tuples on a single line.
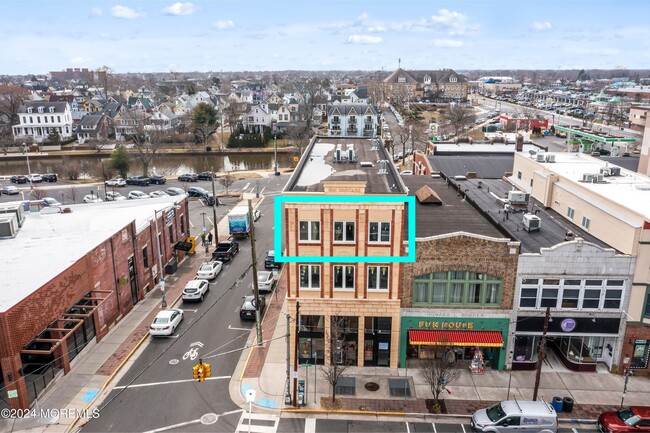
[(209, 418), (372, 386), (173, 361)]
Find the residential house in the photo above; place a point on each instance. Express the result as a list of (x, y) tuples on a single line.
[(38, 118), (258, 118), (128, 123), (352, 120), (93, 127), (163, 119), (141, 104)]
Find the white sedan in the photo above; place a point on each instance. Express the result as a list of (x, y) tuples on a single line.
[(209, 270), (156, 194), (117, 181), (114, 196), (137, 195), (195, 290), (166, 322), (35, 177), (92, 198), (10, 190)]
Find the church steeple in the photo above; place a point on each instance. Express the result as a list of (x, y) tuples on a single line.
[(399, 63)]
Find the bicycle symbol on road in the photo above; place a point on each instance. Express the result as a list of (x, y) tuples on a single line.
[(193, 352)]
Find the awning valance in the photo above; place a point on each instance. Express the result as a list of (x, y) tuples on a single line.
[(455, 338)]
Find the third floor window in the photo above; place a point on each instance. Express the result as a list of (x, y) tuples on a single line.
[(344, 231), (309, 230), (379, 232)]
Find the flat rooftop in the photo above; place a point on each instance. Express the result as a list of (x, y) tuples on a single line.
[(49, 243), (486, 166), (630, 190), (318, 164)]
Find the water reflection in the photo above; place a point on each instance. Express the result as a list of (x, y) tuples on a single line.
[(168, 165)]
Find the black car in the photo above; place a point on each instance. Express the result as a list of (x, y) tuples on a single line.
[(158, 180), (247, 310), (205, 175), (197, 191), (138, 180), (19, 178), (225, 251), (210, 200), (269, 261), (49, 177), (188, 177)]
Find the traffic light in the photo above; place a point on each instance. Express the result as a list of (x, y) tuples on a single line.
[(207, 372), (195, 372)]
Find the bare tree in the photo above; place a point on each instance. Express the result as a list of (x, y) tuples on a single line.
[(339, 362), (147, 140), (438, 372), (299, 134), (233, 112), (38, 193), (103, 74), (73, 194), (458, 117), (11, 97), (71, 168), (311, 95), (226, 180)]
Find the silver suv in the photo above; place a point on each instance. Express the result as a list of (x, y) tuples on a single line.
[(516, 416)]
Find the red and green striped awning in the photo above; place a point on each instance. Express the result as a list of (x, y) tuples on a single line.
[(421, 337)]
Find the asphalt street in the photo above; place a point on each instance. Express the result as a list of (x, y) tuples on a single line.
[(158, 392)]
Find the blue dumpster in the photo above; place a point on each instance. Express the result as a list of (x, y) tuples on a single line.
[(557, 404)]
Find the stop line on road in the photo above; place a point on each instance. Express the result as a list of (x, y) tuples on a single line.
[(168, 382)]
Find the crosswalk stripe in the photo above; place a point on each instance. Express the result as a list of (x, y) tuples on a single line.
[(310, 425), (243, 425)]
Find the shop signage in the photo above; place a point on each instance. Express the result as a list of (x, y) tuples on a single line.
[(12, 393), (445, 325), (568, 325)]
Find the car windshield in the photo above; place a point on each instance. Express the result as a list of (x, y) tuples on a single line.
[(495, 412), (628, 417), (248, 305), (161, 320), (205, 267)]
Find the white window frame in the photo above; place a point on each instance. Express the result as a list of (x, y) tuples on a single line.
[(344, 231), (309, 275), (378, 270), (379, 232), (585, 222), (310, 233), (570, 212), (345, 269)]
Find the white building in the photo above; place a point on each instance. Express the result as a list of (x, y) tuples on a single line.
[(352, 120), (38, 118)]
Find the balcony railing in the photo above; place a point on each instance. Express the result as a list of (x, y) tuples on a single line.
[(336, 120), (352, 120)]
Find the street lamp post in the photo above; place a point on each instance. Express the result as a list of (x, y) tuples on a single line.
[(29, 171), (205, 240), (162, 276), (275, 139)]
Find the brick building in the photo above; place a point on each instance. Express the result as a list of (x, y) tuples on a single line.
[(68, 276), (402, 86)]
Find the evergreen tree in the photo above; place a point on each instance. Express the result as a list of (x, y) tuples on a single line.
[(120, 161)]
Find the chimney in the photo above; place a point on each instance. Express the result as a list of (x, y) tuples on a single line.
[(519, 143)]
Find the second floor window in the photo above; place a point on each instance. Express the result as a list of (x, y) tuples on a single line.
[(343, 277), (309, 230), (309, 276), (378, 277), (379, 232), (344, 231)]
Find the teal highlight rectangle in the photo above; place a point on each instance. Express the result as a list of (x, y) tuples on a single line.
[(277, 236)]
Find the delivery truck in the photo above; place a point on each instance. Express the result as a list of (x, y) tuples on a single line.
[(238, 222)]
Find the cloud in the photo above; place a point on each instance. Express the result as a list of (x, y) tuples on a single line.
[(126, 13), (364, 39), (96, 12), (541, 27), (223, 25), (179, 8), (363, 17), (447, 43), (376, 29), (453, 22)]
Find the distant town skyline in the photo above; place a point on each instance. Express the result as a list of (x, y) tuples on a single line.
[(39, 36)]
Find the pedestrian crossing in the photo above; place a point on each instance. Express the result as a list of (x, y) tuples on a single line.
[(259, 423)]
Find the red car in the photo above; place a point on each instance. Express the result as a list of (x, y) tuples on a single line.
[(629, 419)]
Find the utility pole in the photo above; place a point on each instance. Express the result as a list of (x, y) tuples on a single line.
[(214, 208), (287, 396), (295, 361), (540, 355), (258, 319)]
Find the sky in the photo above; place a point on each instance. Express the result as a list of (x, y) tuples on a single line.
[(38, 36)]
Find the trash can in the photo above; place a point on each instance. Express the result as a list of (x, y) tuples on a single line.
[(557, 404), (567, 404), (171, 267)]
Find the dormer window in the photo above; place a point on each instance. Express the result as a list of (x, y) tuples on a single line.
[(29, 110), (401, 79), (453, 79), (51, 109), (427, 79), (40, 109)]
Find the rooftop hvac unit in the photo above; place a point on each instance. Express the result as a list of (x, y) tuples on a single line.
[(598, 178), (587, 177), (518, 197), (550, 158), (614, 171), (8, 225), (337, 153), (541, 157), (532, 222), (14, 208), (351, 153), (365, 164)]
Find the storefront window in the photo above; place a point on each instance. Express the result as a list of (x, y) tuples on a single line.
[(640, 354), (420, 292), (312, 323), (526, 347)]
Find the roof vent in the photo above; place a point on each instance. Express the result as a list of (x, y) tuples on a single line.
[(365, 164)]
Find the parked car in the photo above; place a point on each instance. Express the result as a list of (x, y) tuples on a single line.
[(195, 290), (117, 181), (137, 195), (156, 194), (629, 419), (247, 310), (205, 175), (172, 190), (225, 251), (114, 196), (158, 180), (92, 198), (188, 177), (138, 180), (507, 416), (19, 178), (210, 200), (256, 214), (209, 270), (35, 178), (166, 322), (49, 177), (269, 261), (265, 281), (406, 172), (197, 191), (10, 190), (560, 134), (49, 201)]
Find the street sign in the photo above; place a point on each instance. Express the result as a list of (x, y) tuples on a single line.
[(306, 365)]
